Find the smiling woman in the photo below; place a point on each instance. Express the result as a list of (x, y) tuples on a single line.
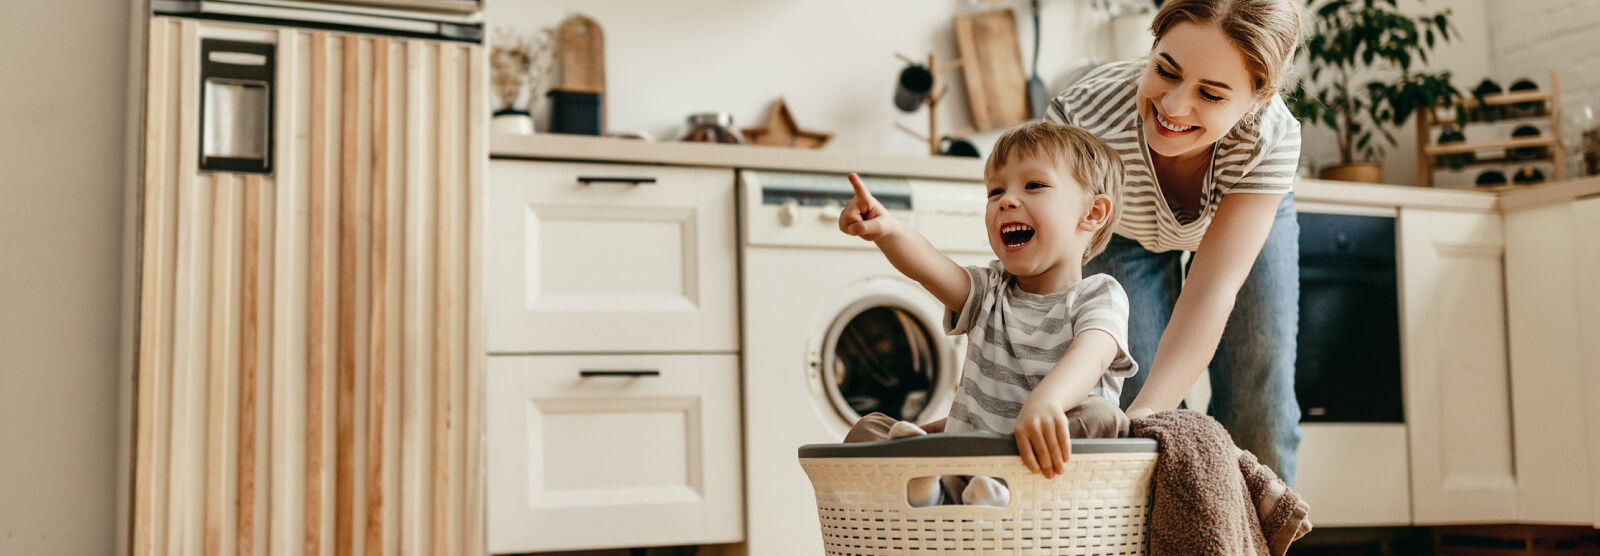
[(1210, 152)]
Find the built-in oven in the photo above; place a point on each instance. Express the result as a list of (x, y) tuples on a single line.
[(456, 20), (1347, 368)]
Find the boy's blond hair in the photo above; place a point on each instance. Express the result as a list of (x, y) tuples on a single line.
[(1092, 162)]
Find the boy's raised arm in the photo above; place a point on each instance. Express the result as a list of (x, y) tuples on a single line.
[(907, 250)]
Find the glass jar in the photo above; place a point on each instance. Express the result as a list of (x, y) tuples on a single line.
[(711, 127)]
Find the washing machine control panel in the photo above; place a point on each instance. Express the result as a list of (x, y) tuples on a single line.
[(795, 209)]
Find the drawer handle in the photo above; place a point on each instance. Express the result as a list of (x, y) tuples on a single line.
[(589, 180), (586, 373)]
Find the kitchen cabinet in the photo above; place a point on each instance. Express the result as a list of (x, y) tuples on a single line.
[(1457, 385), (611, 257), (607, 451), (1553, 304), (309, 358), (613, 393)]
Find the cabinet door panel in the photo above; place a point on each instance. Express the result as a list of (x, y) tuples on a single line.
[(582, 260), (1457, 385), (1543, 254), (581, 462)]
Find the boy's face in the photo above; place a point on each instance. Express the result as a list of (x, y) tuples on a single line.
[(1034, 214)]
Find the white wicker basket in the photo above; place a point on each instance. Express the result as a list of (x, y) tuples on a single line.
[(1100, 505)]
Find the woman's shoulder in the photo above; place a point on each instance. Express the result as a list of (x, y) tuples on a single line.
[(1103, 90)]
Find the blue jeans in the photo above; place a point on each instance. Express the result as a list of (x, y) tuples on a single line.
[(1252, 373)]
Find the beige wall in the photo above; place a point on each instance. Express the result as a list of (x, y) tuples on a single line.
[(63, 108)]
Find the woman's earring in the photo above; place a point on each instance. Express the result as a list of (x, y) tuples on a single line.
[(1250, 118)]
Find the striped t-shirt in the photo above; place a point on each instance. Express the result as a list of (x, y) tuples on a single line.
[(1015, 338), (1250, 158)]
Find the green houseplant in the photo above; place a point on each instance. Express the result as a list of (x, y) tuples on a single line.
[(1351, 38)]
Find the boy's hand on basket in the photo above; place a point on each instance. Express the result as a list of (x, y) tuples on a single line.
[(1042, 436), (864, 216)]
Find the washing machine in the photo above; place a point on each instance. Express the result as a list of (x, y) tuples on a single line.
[(832, 331)]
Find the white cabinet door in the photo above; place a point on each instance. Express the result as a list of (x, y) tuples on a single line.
[(1354, 474), (1545, 289), (581, 462), (610, 257), (1587, 232), (1456, 382)]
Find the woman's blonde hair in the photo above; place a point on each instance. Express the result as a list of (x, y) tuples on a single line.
[(1092, 162), (1265, 31)]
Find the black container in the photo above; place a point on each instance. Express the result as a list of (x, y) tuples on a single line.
[(1490, 178), (1485, 112), (1525, 109), (575, 112), (1527, 153), (1528, 175), (912, 88), (1449, 136)]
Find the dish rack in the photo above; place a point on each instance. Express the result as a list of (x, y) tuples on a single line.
[(1099, 505)]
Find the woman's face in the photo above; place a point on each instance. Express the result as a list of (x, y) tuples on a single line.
[(1195, 90)]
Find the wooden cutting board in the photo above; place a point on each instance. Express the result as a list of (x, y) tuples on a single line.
[(991, 68), (583, 55)]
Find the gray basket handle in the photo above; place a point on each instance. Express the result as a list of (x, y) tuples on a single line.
[(966, 444)]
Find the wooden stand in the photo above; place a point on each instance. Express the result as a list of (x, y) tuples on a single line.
[(1427, 120), (939, 88)]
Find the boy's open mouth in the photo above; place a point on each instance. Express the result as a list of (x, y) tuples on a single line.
[(1015, 235)]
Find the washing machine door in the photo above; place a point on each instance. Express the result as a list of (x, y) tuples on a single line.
[(885, 351)]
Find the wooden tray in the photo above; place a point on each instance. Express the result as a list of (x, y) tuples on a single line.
[(991, 59)]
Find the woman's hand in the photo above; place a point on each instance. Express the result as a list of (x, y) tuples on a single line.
[(1042, 436), (864, 216)]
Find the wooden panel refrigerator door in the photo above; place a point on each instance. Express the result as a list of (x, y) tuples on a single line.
[(611, 257), (1544, 304), (1456, 382), (306, 380), (642, 459)]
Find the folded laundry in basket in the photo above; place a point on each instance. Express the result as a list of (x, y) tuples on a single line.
[(1210, 497)]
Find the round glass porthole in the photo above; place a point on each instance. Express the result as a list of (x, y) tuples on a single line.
[(879, 356)]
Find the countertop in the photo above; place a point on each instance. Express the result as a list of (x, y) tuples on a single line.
[(548, 146)]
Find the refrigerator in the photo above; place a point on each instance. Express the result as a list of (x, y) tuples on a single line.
[(308, 368)]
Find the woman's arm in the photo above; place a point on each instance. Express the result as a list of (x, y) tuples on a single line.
[(1231, 244)]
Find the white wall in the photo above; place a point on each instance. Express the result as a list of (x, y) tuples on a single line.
[(62, 120), (1531, 39), (833, 61), (1469, 59)]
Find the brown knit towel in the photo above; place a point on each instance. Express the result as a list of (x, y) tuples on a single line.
[(1203, 502), (1284, 517)]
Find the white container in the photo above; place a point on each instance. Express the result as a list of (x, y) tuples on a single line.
[(1099, 505)]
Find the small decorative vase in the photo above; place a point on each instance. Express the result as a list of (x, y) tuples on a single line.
[(511, 122)]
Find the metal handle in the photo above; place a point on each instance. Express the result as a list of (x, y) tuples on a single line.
[(589, 180), (641, 372)]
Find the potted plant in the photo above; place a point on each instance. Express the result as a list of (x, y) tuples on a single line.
[(518, 63), (1351, 38)]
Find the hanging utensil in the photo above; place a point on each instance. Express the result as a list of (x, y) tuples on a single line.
[(1037, 98)]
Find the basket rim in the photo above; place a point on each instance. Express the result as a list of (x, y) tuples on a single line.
[(965, 444)]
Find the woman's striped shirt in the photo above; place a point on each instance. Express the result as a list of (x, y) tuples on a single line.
[(1258, 158)]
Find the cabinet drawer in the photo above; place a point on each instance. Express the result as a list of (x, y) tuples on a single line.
[(610, 257), (645, 456)]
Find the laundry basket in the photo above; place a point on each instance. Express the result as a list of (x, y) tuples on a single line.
[(1100, 504)]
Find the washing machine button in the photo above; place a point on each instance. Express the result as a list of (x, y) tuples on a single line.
[(788, 212), (830, 212)]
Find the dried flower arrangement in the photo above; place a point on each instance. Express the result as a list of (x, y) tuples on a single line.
[(517, 63)]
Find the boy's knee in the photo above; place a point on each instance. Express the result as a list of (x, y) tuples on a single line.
[(1097, 417), (871, 428)]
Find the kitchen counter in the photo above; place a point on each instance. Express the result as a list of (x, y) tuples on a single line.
[(548, 146)]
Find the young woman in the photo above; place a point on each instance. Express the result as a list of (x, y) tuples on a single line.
[(1210, 152)]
